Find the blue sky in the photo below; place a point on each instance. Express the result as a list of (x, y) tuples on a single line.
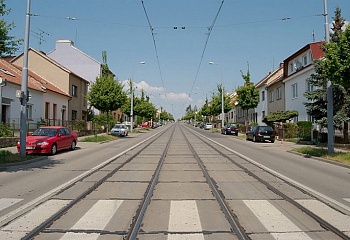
[(178, 73)]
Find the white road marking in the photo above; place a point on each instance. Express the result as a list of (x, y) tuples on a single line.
[(7, 202), (23, 225), (346, 199), (337, 219), (80, 236), (184, 217), (274, 221), (98, 216)]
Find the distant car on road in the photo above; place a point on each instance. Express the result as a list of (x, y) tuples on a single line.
[(208, 126), (50, 140), (119, 130), (229, 130), (261, 133)]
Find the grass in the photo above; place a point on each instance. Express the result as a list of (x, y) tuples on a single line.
[(343, 157), (9, 157), (98, 138)]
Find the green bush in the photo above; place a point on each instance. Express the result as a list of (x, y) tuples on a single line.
[(291, 130), (5, 130), (305, 128)]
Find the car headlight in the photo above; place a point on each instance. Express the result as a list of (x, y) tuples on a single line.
[(42, 143)]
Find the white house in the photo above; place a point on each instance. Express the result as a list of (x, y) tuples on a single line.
[(297, 68)]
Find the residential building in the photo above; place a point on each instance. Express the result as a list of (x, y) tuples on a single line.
[(297, 68), (42, 94), (62, 78), (67, 55)]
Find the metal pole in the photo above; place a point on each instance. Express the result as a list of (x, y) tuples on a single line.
[(24, 86), (222, 94), (329, 92), (132, 98)]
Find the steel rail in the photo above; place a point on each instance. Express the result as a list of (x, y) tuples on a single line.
[(103, 179)]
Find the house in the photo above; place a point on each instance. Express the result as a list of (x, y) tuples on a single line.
[(271, 94), (67, 55), (296, 69), (41, 92), (61, 77)]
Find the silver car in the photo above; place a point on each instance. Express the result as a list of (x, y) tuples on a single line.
[(119, 130)]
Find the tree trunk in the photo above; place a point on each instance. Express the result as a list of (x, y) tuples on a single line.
[(346, 132)]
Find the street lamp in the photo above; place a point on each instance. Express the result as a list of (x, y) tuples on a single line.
[(222, 94), (132, 98)]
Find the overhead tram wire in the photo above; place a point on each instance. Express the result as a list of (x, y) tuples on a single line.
[(155, 47), (210, 29)]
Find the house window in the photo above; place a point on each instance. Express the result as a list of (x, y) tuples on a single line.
[(279, 93), (262, 95), (309, 87), (272, 97), (291, 67), (29, 111), (295, 90), (47, 110), (74, 91), (263, 114), (74, 115), (305, 60)]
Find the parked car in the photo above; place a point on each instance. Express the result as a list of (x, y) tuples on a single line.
[(50, 140), (229, 130), (208, 126), (144, 125), (119, 130), (261, 133)]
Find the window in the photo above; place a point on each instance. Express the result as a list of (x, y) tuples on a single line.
[(272, 97), (305, 60), (291, 67), (29, 111), (262, 95), (295, 90), (74, 91), (74, 115), (309, 87), (263, 114), (279, 93)]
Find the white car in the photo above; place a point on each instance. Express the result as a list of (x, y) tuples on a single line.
[(119, 130), (208, 126)]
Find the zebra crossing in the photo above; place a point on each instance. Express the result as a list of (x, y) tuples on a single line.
[(184, 219)]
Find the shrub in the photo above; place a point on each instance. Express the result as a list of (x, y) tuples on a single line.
[(5, 130), (291, 130), (305, 128)]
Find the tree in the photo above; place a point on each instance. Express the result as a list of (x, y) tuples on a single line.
[(247, 96), (335, 67), (206, 109), (217, 100), (8, 44), (279, 116)]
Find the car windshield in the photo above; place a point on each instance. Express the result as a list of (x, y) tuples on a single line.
[(45, 132), (265, 128), (118, 126)]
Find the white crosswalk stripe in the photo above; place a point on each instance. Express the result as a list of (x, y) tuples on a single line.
[(337, 219), (347, 199), (7, 202), (96, 218), (184, 217), (274, 221)]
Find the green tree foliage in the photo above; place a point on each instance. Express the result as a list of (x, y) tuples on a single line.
[(8, 44), (279, 116), (247, 96), (217, 100), (206, 109)]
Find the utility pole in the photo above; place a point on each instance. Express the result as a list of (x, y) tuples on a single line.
[(330, 127)]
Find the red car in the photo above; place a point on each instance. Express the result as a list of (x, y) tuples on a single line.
[(49, 140)]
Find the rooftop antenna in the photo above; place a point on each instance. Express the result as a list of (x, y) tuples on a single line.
[(40, 35), (313, 35)]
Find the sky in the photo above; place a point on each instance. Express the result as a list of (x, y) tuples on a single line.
[(178, 38)]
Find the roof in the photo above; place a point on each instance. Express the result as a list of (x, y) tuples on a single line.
[(13, 74), (271, 78), (316, 50), (53, 62)]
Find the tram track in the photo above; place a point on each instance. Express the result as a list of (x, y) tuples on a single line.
[(153, 153)]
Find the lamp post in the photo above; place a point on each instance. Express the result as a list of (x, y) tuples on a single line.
[(24, 86), (132, 98), (222, 94)]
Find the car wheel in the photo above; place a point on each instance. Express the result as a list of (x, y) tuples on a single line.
[(73, 145), (272, 141), (53, 149)]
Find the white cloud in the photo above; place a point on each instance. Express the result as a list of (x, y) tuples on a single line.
[(176, 97)]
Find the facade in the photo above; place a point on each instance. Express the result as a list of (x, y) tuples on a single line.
[(297, 68), (62, 78), (67, 55), (41, 92)]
